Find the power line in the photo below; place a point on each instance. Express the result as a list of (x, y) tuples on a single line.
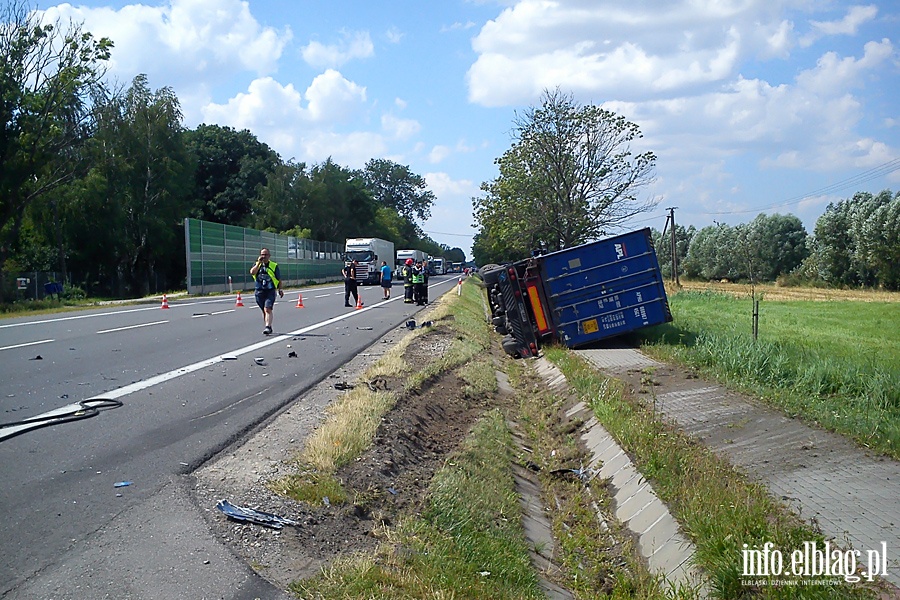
[(864, 177), (468, 235)]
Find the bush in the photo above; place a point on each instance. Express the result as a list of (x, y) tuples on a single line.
[(73, 292)]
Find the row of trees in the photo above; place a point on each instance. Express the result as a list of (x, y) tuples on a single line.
[(97, 181), (570, 177), (856, 242)]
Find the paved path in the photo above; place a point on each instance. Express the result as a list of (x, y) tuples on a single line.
[(851, 495)]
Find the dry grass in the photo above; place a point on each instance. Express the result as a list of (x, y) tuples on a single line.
[(771, 291), (348, 430)]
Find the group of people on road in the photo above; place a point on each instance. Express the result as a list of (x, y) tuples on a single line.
[(415, 282), (267, 276)]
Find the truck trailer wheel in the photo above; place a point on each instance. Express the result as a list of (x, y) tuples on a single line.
[(510, 346)]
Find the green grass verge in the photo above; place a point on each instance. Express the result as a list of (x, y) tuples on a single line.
[(717, 506), (468, 543), (834, 363)]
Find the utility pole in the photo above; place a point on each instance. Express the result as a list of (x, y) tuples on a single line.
[(671, 218)]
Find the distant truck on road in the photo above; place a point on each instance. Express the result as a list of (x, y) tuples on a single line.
[(368, 252), (403, 255), (579, 295), (438, 265)]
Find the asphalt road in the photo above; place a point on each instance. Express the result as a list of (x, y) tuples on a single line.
[(191, 380)]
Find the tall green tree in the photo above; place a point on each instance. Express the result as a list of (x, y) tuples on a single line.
[(340, 205), (283, 202), (145, 172), (663, 247), (569, 177), (852, 239), (46, 74), (394, 186), (231, 167), (777, 245), (716, 252)]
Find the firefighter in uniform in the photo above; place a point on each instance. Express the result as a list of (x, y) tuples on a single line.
[(407, 273), (418, 279)]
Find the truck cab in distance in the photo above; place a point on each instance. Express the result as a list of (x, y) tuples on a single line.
[(368, 252)]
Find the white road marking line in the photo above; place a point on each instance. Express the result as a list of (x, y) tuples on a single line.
[(26, 344), (218, 312), (163, 377), (118, 312), (132, 327)]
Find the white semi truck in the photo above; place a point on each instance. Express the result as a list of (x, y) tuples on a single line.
[(402, 255), (368, 252)]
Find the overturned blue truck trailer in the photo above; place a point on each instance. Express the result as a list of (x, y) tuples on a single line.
[(578, 296)]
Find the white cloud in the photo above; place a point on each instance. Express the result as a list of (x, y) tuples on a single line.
[(849, 25), (269, 109), (351, 46), (398, 128), (333, 98), (394, 35), (182, 42), (856, 16), (276, 114), (640, 51), (675, 68), (458, 26), (353, 149), (443, 185), (834, 74), (438, 154)]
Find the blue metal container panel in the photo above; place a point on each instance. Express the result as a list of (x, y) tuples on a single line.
[(605, 288)]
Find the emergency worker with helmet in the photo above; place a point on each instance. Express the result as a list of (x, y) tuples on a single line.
[(418, 279), (407, 273)]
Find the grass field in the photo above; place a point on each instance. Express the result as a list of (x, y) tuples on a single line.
[(834, 359)]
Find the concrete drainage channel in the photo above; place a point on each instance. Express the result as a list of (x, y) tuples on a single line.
[(667, 551)]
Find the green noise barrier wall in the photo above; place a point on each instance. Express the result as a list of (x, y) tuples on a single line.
[(219, 257)]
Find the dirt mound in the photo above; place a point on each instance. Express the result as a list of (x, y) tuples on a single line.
[(387, 481)]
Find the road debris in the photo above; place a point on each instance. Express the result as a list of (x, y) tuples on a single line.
[(240, 513)]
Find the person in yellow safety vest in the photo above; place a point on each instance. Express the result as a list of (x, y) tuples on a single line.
[(268, 280), (407, 273), (418, 280)]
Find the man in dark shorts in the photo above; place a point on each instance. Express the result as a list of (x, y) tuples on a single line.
[(268, 282), (350, 284), (386, 277)]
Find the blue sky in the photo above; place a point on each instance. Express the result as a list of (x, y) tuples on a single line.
[(750, 105)]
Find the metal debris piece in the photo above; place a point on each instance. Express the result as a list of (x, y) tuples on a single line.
[(584, 474), (240, 513), (343, 385), (122, 484), (379, 383), (292, 354)]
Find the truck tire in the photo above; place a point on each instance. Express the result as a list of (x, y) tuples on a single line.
[(491, 275), (510, 346)]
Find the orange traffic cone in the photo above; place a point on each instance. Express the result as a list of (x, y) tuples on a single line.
[(165, 303), (358, 302), (239, 302), (300, 301)]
